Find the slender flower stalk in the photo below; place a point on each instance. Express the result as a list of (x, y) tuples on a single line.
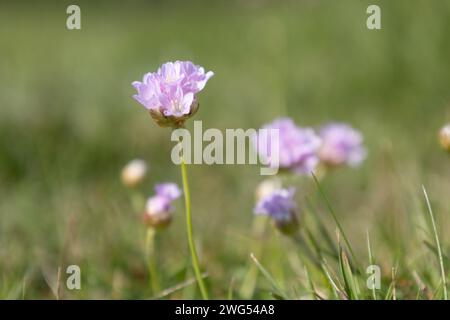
[(157, 216), (190, 233), (150, 247)]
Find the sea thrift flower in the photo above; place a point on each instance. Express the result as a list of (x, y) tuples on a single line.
[(134, 172), (297, 146), (280, 206), (341, 145), (444, 137), (158, 209), (170, 93), (168, 190)]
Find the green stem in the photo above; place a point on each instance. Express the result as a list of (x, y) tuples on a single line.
[(150, 247), (194, 257)]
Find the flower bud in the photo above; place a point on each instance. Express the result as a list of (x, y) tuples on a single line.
[(158, 209), (287, 226), (158, 212), (134, 172), (280, 206), (444, 137), (169, 190)]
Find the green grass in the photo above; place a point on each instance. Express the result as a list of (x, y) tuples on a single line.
[(68, 124)]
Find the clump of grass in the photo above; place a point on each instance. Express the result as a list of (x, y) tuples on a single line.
[(340, 279)]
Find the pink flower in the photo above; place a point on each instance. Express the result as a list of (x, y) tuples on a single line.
[(281, 207), (168, 190), (279, 204), (341, 145), (158, 209), (297, 146), (170, 93)]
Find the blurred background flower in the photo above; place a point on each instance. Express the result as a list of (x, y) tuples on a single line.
[(281, 207), (134, 172), (297, 146), (444, 137), (341, 145), (168, 190), (158, 209)]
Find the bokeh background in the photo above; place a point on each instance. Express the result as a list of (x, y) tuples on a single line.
[(68, 125)]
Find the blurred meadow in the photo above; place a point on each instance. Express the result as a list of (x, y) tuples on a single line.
[(68, 124)]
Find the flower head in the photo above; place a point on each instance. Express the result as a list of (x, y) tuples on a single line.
[(280, 206), (444, 137), (134, 172), (168, 190), (158, 209), (297, 146), (341, 145), (170, 93)]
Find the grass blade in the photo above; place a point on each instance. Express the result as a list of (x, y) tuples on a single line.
[(330, 209), (230, 289), (347, 274), (335, 285), (266, 274), (371, 261), (438, 245), (391, 294), (178, 287)]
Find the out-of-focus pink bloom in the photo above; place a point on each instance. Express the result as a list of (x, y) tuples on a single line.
[(297, 146), (158, 204), (134, 172), (168, 190), (444, 137), (170, 93), (341, 145), (280, 206), (158, 209)]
